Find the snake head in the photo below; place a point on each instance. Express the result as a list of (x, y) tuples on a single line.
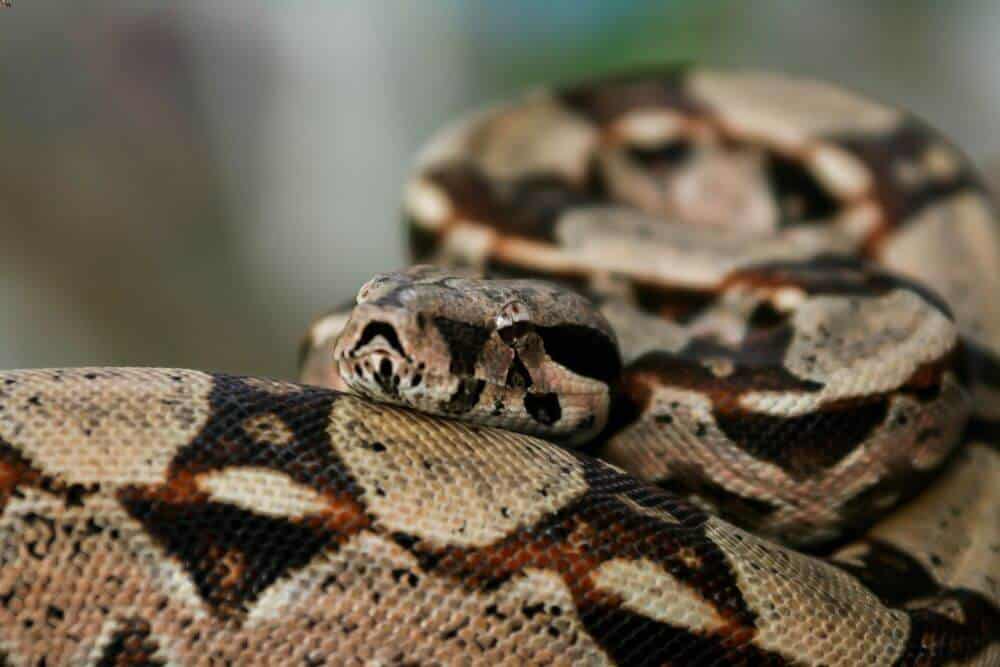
[(522, 355)]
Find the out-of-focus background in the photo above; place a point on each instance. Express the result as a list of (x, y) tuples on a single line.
[(189, 183)]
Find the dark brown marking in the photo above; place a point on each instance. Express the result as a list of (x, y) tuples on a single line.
[(675, 303), (465, 343), (422, 242), (809, 444), (608, 99), (131, 643), (599, 527), (801, 197), (222, 443), (583, 350), (900, 201), (758, 365), (386, 331), (543, 408), (466, 396), (232, 554), (518, 376), (901, 581), (832, 275), (691, 480), (669, 155)]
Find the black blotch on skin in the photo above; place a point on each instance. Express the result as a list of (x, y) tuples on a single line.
[(582, 350), (671, 154), (675, 303), (384, 329), (765, 316), (633, 639), (536, 202), (131, 644), (883, 152), (543, 408), (690, 480), (792, 182), (466, 396), (465, 343), (231, 554), (386, 380), (807, 444), (897, 578), (423, 242), (836, 275)]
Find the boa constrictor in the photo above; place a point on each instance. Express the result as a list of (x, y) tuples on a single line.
[(789, 323)]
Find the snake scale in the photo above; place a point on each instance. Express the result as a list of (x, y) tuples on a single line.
[(729, 395)]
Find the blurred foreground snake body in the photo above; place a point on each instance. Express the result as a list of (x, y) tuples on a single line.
[(716, 299)]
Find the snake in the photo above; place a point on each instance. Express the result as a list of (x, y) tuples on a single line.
[(692, 367)]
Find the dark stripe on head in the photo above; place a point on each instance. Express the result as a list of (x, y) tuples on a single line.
[(518, 376), (583, 350), (465, 343), (543, 408), (466, 396), (383, 329)]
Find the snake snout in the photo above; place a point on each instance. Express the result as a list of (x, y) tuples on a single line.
[(374, 352)]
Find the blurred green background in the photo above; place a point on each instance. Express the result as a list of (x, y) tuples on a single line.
[(189, 184)]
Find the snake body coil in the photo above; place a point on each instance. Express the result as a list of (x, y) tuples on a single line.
[(748, 299)]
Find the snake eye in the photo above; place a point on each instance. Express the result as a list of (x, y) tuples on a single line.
[(512, 322)]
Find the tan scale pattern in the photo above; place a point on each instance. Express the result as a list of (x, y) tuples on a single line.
[(801, 605), (144, 415), (425, 478)]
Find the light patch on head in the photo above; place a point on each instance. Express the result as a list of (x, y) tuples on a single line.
[(808, 610), (268, 428), (647, 589), (788, 111), (103, 425), (448, 483), (262, 491)]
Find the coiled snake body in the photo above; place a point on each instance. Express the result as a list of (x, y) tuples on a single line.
[(749, 299)]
